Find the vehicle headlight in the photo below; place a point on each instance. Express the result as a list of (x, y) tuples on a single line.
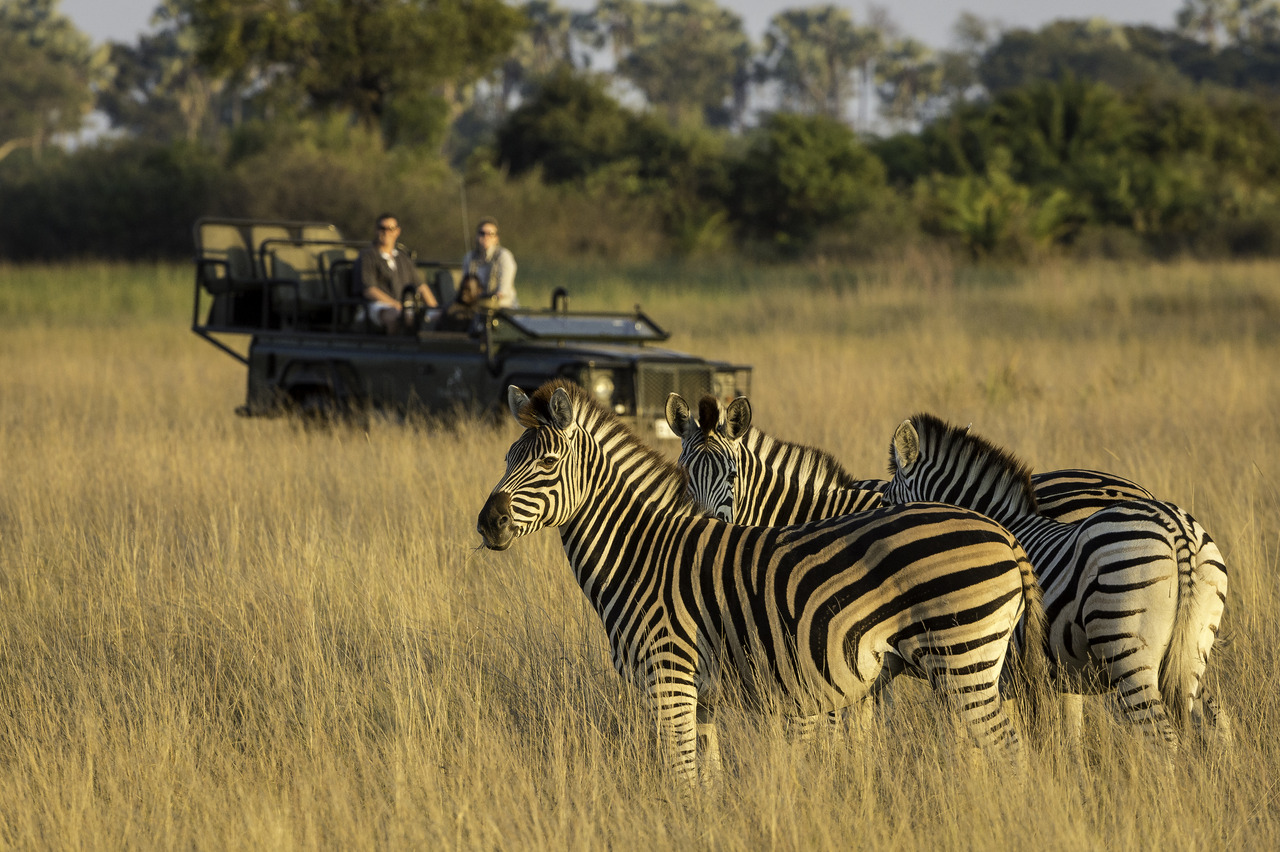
[(601, 386)]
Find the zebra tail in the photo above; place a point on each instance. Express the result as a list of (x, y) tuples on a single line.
[(1034, 670), (1179, 671)]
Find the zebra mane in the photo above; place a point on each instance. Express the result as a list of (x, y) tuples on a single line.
[(537, 411), (613, 436), (708, 414), (813, 464), (940, 439)]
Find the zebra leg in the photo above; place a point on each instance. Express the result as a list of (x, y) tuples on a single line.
[(1072, 704), (710, 770), (863, 717), (881, 695), (1210, 721), (862, 714), (804, 729), (978, 703), (1138, 690), (674, 699), (1128, 636)]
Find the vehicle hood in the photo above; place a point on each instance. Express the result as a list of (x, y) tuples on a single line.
[(594, 350)]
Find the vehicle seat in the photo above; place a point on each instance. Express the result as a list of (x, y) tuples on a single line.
[(224, 265), (258, 236), (348, 315), (298, 291), (445, 285), (222, 255), (318, 233)]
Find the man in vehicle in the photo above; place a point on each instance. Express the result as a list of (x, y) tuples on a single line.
[(494, 267), (382, 271)]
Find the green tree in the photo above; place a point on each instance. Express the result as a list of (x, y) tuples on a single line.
[(1055, 128), (991, 214), (1254, 21), (573, 131), (1071, 135), (1048, 160), (816, 55), (156, 88), (912, 79), (570, 128), (971, 37), (690, 58), (1210, 21), (46, 74), (544, 45), (1092, 49), (387, 62), (611, 24), (801, 174)]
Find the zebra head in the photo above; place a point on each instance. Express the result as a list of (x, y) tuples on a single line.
[(539, 488), (904, 467), (932, 460), (709, 449)]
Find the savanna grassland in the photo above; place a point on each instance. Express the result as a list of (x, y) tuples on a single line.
[(227, 633)]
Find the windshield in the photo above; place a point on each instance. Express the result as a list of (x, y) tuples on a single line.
[(588, 326)]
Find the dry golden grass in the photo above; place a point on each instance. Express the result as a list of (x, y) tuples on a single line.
[(219, 633)]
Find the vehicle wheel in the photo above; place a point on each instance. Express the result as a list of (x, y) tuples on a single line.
[(316, 407)]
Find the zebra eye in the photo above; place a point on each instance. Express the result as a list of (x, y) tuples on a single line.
[(548, 461)]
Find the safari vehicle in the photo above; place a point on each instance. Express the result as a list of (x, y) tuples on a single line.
[(287, 286)]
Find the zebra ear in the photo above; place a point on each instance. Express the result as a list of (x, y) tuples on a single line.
[(737, 418), (677, 413), (516, 400), (561, 408), (906, 445)]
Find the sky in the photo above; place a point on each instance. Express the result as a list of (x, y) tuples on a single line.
[(927, 20)]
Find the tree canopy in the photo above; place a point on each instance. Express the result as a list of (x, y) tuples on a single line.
[(1013, 142), (45, 76), (372, 58)]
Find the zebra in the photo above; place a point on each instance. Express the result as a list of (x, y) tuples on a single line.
[(1134, 593), (814, 615), (746, 476), (743, 475)]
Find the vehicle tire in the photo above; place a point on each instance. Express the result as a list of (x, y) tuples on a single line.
[(316, 407)]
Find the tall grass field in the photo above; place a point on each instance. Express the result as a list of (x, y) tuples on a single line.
[(222, 633)]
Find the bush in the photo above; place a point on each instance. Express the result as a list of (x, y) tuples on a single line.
[(124, 200), (992, 215), (798, 175), (570, 129)]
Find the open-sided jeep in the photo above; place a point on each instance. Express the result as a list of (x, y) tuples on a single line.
[(288, 286)]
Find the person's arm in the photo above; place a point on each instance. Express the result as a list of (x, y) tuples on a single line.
[(502, 281), (424, 289)]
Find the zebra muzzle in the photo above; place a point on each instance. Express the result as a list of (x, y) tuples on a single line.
[(494, 522)]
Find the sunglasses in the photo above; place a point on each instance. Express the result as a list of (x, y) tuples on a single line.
[(487, 233), (388, 227)]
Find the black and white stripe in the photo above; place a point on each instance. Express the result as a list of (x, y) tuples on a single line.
[(740, 474), (815, 615), (1134, 592)]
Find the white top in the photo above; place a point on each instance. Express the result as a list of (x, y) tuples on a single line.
[(497, 275)]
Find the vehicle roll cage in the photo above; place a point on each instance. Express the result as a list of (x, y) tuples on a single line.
[(271, 275), (266, 277)]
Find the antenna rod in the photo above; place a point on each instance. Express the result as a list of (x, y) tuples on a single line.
[(462, 188)]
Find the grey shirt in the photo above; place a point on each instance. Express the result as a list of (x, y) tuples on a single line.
[(372, 270)]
